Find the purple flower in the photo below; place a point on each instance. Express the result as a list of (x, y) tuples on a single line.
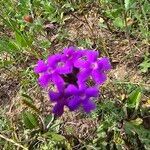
[(59, 108), (73, 98), (68, 55), (51, 70), (88, 57), (60, 100), (90, 65), (81, 97), (69, 72), (44, 79), (56, 63), (40, 67)]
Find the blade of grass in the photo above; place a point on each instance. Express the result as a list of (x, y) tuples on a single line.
[(12, 141)]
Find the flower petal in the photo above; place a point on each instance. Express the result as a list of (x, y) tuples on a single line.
[(92, 55), (92, 92), (54, 96), (73, 103), (58, 81), (66, 69), (44, 79), (78, 54), (58, 109), (104, 64), (98, 77), (84, 74), (40, 67), (69, 50), (53, 60), (71, 90), (88, 106), (80, 63)]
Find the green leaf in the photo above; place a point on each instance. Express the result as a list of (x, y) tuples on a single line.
[(55, 137), (28, 101), (114, 13), (20, 39), (144, 134), (60, 142), (49, 119), (145, 65), (137, 121), (134, 99), (7, 45), (30, 120), (127, 4), (118, 22), (27, 97), (13, 46)]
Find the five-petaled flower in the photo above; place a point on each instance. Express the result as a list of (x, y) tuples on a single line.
[(70, 72)]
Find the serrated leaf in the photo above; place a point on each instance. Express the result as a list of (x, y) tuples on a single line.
[(144, 134), (54, 136), (27, 97), (28, 101), (57, 137), (118, 22), (134, 99), (145, 65), (30, 120), (127, 4)]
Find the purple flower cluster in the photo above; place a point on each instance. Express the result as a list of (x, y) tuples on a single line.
[(71, 73)]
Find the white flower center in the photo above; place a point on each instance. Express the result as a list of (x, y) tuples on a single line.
[(83, 96), (60, 64), (94, 65)]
